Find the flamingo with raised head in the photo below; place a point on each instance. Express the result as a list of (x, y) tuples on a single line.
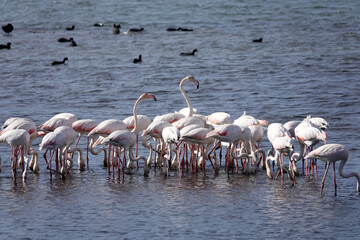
[(127, 139), (331, 153)]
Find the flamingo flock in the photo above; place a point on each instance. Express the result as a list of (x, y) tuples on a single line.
[(180, 141)]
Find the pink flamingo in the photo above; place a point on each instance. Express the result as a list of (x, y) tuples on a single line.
[(71, 136), (198, 137), (127, 139), (84, 126), (19, 140), (55, 142), (308, 135), (219, 118), (231, 134), (105, 128), (331, 153), (170, 135), (282, 145), (30, 126)]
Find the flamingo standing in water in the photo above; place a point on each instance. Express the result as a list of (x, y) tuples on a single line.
[(127, 139), (170, 135), (105, 128), (55, 142), (308, 135), (19, 140), (198, 137), (70, 139), (30, 126), (331, 153), (231, 134), (84, 126)]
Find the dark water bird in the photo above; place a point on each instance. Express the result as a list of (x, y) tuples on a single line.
[(170, 29), (189, 53), (8, 28), (98, 24), (137, 60), (136, 29), (186, 29), (116, 29), (257, 40), (7, 46), (59, 62), (73, 43), (65, 40), (70, 28)]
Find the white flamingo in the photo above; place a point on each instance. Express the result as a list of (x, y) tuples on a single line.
[(331, 153)]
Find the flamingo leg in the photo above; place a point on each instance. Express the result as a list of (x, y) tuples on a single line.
[(87, 152), (136, 150), (335, 185), (323, 180)]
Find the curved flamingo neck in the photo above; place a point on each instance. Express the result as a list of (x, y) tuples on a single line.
[(135, 115), (344, 175), (186, 97)]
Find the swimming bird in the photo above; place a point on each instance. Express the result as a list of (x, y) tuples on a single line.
[(331, 153), (136, 29), (259, 40), (8, 28), (116, 29), (73, 43), (65, 39), (137, 60), (59, 62), (70, 28), (98, 24), (7, 46), (189, 53)]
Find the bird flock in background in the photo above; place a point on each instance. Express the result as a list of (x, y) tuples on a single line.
[(183, 141)]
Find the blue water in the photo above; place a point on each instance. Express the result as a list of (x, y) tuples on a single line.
[(308, 63)]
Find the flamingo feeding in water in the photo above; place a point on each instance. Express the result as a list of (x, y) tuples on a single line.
[(127, 139), (331, 153), (19, 140)]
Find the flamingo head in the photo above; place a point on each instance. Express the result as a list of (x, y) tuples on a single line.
[(146, 96), (191, 78)]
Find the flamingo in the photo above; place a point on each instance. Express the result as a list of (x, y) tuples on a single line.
[(198, 136), (154, 130), (18, 139), (54, 141), (69, 116), (331, 153), (127, 139), (308, 135), (231, 134), (186, 111), (143, 122), (54, 122), (105, 128), (219, 118), (30, 126), (84, 126), (170, 135), (71, 136), (282, 145)]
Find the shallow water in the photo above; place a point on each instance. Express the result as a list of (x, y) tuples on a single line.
[(307, 64)]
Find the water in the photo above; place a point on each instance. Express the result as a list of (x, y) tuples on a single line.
[(308, 63)]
